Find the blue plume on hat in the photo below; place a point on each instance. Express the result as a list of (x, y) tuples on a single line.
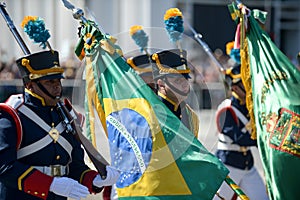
[(174, 24), (35, 28), (235, 55), (139, 36), (233, 52)]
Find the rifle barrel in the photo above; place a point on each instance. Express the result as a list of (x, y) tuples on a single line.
[(13, 29), (97, 159)]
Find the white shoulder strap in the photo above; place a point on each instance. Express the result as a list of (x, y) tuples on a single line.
[(15, 100), (36, 146), (225, 103), (240, 115)]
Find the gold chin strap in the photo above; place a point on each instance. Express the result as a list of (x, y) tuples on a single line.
[(237, 97), (36, 96)]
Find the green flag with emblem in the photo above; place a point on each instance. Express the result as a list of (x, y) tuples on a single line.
[(273, 100)]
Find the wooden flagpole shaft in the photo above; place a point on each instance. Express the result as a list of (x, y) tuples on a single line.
[(236, 188), (72, 127)]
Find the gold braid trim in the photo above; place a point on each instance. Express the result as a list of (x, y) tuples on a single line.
[(163, 69), (83, 174), (246, 79), (55, 69), (22, 176), (246, 74), (138, 69)]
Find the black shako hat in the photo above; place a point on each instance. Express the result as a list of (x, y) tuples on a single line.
[(40, 66), (141, 64), (233, 75), (171, 63)]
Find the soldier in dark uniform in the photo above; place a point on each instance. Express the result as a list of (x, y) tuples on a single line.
[(234, 141), (39, 159), (171, 75)]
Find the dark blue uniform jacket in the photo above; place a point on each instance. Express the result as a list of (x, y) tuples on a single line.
[(18, 180), (232, 129)]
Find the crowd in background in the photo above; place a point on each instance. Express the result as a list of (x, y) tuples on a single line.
[(71, 64), (9, 72), (9, 69), (201, 72)]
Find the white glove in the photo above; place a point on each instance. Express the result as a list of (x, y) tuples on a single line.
[(111, 178), (68, 187)]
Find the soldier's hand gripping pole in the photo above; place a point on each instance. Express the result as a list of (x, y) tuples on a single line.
[(13, 29), (74, 128)]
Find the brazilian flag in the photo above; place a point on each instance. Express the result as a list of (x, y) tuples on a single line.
[(272, 84), (158, 157)]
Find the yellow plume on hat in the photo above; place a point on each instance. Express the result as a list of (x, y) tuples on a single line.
[(134, 29), (229, 47), (28, 19), (172, 12)]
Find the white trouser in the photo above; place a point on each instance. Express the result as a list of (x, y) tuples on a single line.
[(249, 181)]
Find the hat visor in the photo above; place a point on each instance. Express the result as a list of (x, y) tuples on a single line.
[(52, 76)]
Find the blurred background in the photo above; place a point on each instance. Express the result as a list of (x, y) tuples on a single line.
[(210, 18)]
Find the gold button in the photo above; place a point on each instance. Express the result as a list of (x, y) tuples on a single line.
[(43, 194), (28, 191), (35, 192), (57, 157)]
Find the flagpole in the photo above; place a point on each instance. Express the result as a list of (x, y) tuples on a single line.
[(228, 180), (236, 188)]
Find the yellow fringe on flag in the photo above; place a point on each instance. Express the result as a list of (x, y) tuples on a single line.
[(246, 79), (93, 102)]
